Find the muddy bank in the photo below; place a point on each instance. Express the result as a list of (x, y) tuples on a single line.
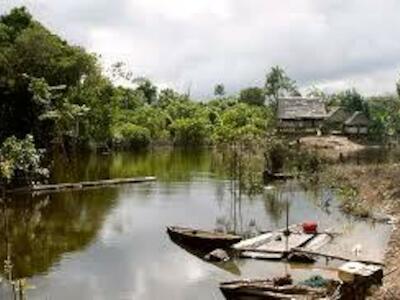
[(339, 143), (373, 191)]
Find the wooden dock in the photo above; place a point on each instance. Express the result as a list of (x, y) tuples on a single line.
[(276, 245), (59, 187), (273, 245)]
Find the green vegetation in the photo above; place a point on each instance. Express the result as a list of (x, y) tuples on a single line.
[(57, 93), (19, 159)]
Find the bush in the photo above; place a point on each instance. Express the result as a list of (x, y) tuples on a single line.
[(20, 161), (132, 136), (189, 132), (252, 95)]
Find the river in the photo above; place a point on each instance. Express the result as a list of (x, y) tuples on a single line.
[(111, 243)]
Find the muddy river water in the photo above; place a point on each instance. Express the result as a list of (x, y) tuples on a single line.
[(111, 243)]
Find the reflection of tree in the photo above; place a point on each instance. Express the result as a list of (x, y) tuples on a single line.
[(242, 162), (40, 229), (167, 164), (274, 205)]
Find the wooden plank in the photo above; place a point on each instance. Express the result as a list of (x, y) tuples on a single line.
[(262, 255), (285, 244), (332, 256), (253, 242), (81, 185), (318, 242), (259, 240)]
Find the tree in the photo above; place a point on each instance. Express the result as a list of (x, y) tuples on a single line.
[(398, 87), (219, 90), (149, 90), (352, 101), (316, 92), (132, 136), (252, 95), (384, 114), (28, 50), (168, 96), (278, 84), (56, 108), (20, 161), (190, 131)]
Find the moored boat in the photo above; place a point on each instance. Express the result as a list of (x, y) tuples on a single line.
[(267, 289), (202, 239)]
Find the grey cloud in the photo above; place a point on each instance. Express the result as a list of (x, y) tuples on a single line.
[(235, 42)]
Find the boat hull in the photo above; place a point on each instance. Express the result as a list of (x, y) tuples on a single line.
[(262, 290), (200, 239)]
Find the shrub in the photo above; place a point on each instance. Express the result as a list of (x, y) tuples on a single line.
[(132, 136), (20, 161), (190, 131)]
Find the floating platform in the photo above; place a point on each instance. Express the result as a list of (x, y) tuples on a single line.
[(80, 185), (277, 245), (274, 245)]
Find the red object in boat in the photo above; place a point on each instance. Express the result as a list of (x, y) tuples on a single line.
[(310, 227)]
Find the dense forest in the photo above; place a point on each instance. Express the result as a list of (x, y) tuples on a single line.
[(56, 96)]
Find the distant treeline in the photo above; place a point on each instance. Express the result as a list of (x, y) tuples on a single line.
[(58, 94)]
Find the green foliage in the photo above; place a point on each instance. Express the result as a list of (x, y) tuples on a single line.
[(28, 50), (398, 87), (252, 95), (351, 100), (385, 116), (219, 90), (148, 89), (243, 122), (56, 108), (132, 136), (190, 131), (19, 159), (278, 84), (167, 96), (281, 156), (57, 92), (17, 20)]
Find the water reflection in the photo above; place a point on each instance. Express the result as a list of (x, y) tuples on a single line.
[(111, 243), (37, 231), (166, 163)]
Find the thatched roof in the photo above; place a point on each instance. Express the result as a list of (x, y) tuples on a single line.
[(357, 119), (301, 108), (338, 115)]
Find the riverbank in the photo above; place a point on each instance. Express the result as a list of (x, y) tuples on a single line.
[(331, 142), (373, 191)]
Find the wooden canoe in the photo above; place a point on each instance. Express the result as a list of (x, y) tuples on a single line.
[(265, 289), (202, 239), (271, 176)]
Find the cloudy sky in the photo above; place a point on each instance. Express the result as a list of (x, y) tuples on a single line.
[(332, 44)]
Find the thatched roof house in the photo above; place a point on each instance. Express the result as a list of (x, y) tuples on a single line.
[(357, 124), (300, 113), (338, 115)]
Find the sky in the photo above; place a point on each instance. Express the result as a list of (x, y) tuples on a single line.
[(195, 44)]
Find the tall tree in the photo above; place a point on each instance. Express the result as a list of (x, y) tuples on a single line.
[(28, 50), (398, 87), (352, 101), (149, 90), (219, 90), (278, 84)]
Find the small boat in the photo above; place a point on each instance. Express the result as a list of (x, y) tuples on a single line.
[(202, 239), (267, 289), (271, 176), (228, 266)]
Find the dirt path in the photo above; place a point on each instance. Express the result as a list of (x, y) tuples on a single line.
[(331, 142)]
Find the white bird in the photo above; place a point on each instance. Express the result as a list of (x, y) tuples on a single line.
[(357, 249)]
